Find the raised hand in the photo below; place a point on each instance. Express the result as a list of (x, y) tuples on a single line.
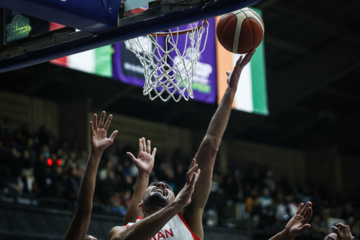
[(233, 78), (99, 139), (184, 196), (145, 160), (343, 232), (300, 221)]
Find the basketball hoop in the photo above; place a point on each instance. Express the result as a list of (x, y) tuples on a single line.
[(169, 68)]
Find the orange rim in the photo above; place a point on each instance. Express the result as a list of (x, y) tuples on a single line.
[(164, 34)]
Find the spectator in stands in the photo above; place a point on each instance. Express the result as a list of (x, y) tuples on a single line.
[(27, 173), (319, 226), (30, 146), (282, 211), (99, 142), (231, 187), (252, 206), (269, 182), (58, 181), (49, 182), (284, 185), (266, 208), (71, 184)]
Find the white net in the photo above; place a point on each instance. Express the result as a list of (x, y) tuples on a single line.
[(169, 68)]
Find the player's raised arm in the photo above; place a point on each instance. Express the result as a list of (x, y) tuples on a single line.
[(209, 146), (297, 224), (144, 163), (99, 142), (157, 217)]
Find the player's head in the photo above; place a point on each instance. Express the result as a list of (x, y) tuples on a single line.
[(331, 236), (158, 195), (89, 237)]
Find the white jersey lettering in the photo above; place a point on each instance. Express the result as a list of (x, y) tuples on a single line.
[(175, 229)]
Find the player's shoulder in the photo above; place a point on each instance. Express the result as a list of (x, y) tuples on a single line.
[(115, 231)]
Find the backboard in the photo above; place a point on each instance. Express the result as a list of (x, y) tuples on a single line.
[(99, 25)]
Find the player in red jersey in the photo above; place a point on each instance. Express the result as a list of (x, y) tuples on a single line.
[(159, 204)]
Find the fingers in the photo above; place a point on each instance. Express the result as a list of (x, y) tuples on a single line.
[(305, 209), (304, 227), (336, 230), (308, 213), (249, 55), (145, 146), (148, 146), (343, 230), (238, 62), (141, 145), (189, 174), (238, 67), (91, 128), (133, 158), (192, 163), (108, 121), (347, 231), (113, 135), (94, 125), (243, 61), (300, 208), (340, 225), (102, 119), (228, 73), (195, 177), (95, 121), (154, 152), (143, 142)]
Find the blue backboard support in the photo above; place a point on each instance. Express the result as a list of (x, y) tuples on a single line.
[(87, 15), (66, 42)]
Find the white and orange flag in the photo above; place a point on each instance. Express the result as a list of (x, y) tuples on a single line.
[(251, 95)]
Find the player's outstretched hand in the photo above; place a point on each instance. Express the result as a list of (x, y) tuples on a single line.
[(145, 160), (184, 196), (233, 78), (99, 139), (300, 221), (342, 231)]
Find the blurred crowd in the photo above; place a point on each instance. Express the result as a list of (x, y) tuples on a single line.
[(35, 165)]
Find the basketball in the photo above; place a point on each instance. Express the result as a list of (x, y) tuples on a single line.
[(240, 31)]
